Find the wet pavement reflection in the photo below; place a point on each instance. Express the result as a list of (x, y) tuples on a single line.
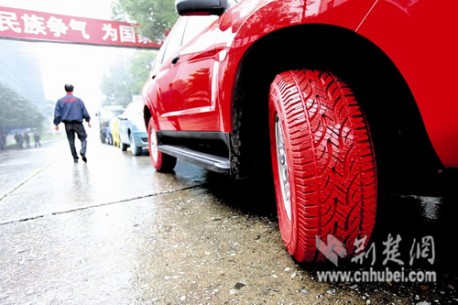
[(113, 231)]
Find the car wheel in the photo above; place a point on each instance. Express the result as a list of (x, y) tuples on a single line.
[(161, 162), (323, 163), (123, 146), (108, 140), (136, 151), (102, 137)]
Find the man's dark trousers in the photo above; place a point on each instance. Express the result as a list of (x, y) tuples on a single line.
[(77, 128)]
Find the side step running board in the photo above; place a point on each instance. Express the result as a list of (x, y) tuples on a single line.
[(211, 162)]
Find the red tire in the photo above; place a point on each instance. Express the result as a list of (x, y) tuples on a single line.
[(161, 162), (323, 163)]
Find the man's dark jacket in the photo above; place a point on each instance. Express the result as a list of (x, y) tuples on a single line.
[(70, 109)]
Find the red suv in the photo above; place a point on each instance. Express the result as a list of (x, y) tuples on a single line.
[(338, 101)]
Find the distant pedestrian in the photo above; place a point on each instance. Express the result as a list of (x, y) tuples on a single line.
[(19, 140), (2, 140), (37, 138), (71, 111)]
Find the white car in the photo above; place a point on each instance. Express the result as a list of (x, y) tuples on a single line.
[(132, 130)]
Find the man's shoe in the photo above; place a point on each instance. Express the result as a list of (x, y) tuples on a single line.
[(84, 158), (75, 160)]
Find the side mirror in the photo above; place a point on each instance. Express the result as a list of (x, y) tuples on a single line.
[(199, 7)]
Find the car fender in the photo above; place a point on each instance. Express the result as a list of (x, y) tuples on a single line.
[(243, 26)]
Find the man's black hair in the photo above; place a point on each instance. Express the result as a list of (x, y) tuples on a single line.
[(68, 87)]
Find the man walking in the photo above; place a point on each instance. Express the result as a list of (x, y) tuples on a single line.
[(71, 111)]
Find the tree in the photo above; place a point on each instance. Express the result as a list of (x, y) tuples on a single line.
[(154, 17), (127, 78), (140, 67), (17, 111), (116, 85)]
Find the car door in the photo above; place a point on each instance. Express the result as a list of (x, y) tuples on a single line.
[(164, 71), (188, 101)]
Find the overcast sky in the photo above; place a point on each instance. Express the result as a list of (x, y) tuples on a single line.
[(81, 65)]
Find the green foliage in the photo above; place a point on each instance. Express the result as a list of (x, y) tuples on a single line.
[(116, 85), (17, 111), (127, 78), (140, 68), (155, 17)]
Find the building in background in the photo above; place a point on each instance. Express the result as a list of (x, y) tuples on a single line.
[(20, 70)]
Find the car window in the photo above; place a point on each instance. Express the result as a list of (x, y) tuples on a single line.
[(195, 25), (134, 110), (186, 28), (175, 38), (107, 114), (130, 111)]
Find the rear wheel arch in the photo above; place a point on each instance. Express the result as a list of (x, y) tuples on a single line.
[(401, 141), (160, 161)]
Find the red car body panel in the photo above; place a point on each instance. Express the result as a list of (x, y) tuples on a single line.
[(415, 34), (417, 39)]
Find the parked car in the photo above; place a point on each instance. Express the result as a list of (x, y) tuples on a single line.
[(338, 101), (104, 116), (132, 130)]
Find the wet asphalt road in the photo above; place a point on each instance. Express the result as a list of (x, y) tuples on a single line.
[(113, 231)]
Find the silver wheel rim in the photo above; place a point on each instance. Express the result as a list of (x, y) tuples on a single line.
[(282, 168), (153, 144)]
